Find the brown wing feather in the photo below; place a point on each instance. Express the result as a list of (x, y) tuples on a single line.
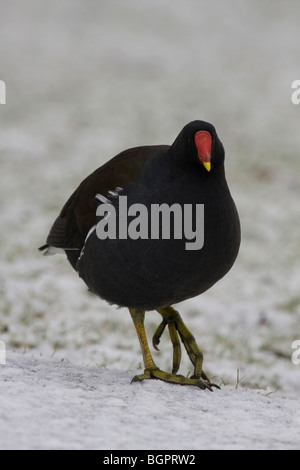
[(79, 213)]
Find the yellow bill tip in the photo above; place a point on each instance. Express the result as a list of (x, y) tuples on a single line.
[(207, 165)]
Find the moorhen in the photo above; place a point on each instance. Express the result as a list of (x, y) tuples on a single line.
[(131, 263)]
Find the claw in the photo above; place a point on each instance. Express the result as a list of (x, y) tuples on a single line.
[(175, 379), (215, 385), (158, 333), (204, 379)]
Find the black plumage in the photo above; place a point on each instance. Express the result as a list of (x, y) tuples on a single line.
[(153, 274)]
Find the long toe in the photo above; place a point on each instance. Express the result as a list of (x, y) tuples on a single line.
[(175, 379)]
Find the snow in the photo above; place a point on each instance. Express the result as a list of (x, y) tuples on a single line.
[(84, 81), (47, 404)]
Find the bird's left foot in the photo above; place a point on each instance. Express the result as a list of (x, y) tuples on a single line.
[(202, 382), (179, 332)]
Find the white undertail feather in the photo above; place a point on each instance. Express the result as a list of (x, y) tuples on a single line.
[(52, 250)]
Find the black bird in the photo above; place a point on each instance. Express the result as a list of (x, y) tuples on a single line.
[(153, 269)]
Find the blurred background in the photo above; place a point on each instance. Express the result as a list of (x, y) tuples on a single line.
[(85, 80)]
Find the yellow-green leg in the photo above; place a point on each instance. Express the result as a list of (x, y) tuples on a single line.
[(138, 317), (175, 342), (177, 329), (151, 370)]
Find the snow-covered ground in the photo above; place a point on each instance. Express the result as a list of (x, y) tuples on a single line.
[(85, 80), (51, 405)]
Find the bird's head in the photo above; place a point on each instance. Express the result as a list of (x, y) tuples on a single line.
[(199, 140)]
